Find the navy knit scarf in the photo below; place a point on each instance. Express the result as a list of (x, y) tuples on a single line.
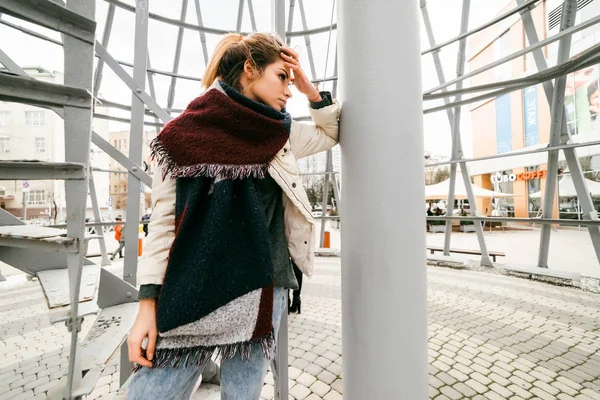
[(217, 294)]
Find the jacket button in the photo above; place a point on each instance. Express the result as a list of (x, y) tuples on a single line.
[(284, 150), (305, 242), (293, 185)]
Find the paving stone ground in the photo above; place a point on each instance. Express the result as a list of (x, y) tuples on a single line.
[(490, 337)]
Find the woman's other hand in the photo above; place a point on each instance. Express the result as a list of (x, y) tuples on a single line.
[(143, 327)]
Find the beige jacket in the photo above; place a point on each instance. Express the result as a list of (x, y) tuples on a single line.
[(305, 139)]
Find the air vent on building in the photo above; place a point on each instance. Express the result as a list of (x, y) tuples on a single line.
[(556, 14)]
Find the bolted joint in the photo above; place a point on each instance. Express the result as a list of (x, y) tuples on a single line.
[(423, 3), (74, 323), (526, 10)]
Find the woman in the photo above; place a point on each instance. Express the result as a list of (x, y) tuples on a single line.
[(229, 215)]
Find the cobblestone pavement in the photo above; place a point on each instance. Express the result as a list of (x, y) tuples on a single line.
[(491, 337)]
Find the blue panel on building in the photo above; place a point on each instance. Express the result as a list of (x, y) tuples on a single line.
[(530, 111), (503, 124)]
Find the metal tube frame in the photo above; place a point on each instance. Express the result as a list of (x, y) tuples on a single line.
[(543, 43), (525, 6), (454, 119), (135, 154), (79, 69)]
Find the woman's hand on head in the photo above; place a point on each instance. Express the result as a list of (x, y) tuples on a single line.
[(143, 327), (300, 80)]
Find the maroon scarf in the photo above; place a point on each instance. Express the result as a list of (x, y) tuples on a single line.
[(222, 134)]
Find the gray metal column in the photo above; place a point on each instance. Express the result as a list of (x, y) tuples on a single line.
[(136, 142), (569, 11), (383, 240), (79, 70), (454, 119), (110, 16), (98, 218), (583, 194), (171, 96), (202, 34), (280, 364)]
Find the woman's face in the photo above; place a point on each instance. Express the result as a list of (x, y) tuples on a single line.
[(271, 88)]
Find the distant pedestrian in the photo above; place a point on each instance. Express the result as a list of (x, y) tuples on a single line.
[(145, 223), (119, 238)]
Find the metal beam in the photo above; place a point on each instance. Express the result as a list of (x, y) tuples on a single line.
[(525, 6), (137, 90), (588, 58), (98, 218), (29, 32), (26, 90), (136, 142), (311, 60), (584, 196), (125, 63), (569, 12), (79, 72), (126, 120), (252, 17), (314, 31), (457, 153), (202, 34), (149, 113), (53, 16), (436, 54), (96, 138), (540, 221), (41, 170), (205, 29), (383, 250), (240, 16), (288, 39), (518, 153), (110, 16), (520, 53), (176, 61)]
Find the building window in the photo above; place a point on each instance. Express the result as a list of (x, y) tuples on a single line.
[(501, 48), (582, 103), (4, 145), (504, 206), (4, 118), (530, 114), (40, 145), (534, 188), (36, 197), (503, 124), (35, 118)]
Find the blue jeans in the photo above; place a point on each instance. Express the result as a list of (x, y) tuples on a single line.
[(240, 379)]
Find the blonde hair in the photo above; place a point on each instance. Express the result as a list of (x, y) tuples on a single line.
[(227, 61)]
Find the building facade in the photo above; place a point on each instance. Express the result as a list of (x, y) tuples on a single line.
[(521, 119), (32, 133), (118, 182)]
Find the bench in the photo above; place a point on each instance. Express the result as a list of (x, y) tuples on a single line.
[(492, 254)]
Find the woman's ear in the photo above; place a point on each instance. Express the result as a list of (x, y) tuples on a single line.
[(249, 70)]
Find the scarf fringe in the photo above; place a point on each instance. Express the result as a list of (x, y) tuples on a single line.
[(195, 356), (164, 160)]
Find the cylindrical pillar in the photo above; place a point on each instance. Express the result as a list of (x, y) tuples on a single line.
[(384, 290)]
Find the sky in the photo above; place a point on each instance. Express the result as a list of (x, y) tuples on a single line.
[(444, 14)]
